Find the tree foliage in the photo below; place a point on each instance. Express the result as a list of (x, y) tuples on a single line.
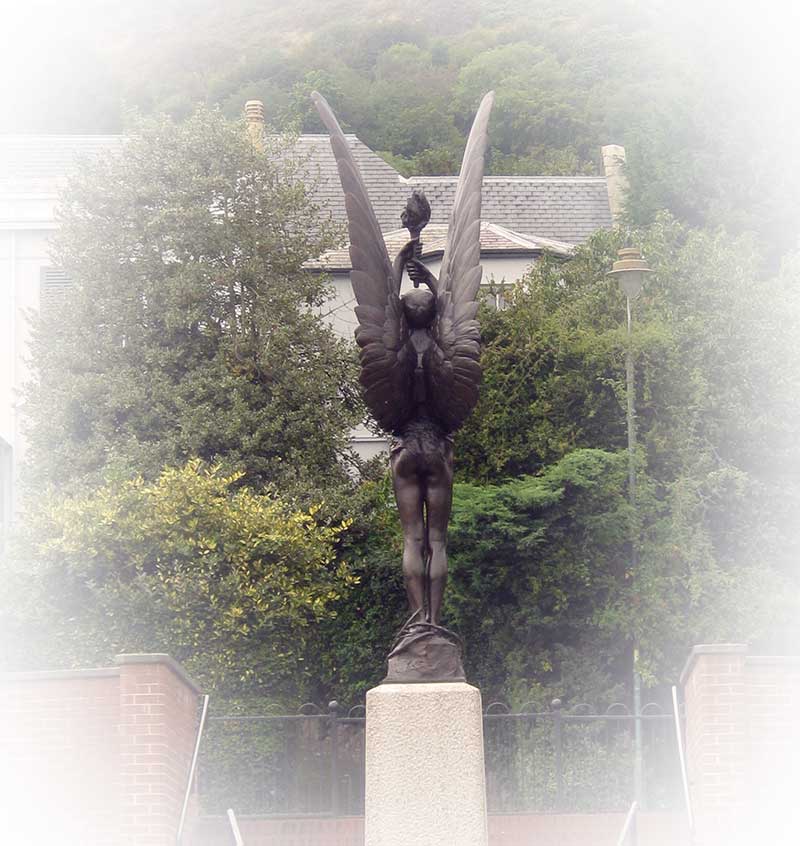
[(705, 141), (535, 564), (192, 329), (231, 582), (192, 333), (716, 409)]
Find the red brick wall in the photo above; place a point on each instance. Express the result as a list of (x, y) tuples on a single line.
[(158, 713), (742, 745), (96, 757), (518, 830), (773, 748), (653, 829), (59, 767)]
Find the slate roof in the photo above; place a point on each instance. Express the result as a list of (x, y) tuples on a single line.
[(495, 240), (39, 164), (385, 185), (562, 208)]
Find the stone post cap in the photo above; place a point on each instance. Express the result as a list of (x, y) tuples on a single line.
[(709, 649), (159, 658)]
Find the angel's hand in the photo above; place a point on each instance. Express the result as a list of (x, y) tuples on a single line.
[(419, 273)]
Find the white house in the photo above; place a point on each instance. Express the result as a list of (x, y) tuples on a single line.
[(523, 216)]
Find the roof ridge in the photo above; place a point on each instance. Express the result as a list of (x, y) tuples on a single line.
[(535, 241), (508, 234)]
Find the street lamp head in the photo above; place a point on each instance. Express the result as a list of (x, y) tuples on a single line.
[(630, 270)]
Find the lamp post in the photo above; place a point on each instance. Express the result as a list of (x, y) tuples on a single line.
[(630, 270)]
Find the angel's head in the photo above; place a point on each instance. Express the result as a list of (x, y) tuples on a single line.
[(419, 307)]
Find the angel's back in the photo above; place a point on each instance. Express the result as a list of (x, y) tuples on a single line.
[(420, 370)]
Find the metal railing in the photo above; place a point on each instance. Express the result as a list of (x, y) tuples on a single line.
[(234, 824), (192, 770), (628, 833), (564, 759)]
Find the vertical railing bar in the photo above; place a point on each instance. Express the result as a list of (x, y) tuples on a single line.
[(557, 741), (237, 835), (684, 774), (192, 769), (333, 712), (294, 797), (638, 766), (629, 825)]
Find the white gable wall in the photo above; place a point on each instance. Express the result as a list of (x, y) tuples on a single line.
[(26, 226), (339, 311), (23, 254)]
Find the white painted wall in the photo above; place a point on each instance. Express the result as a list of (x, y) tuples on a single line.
[(340, 312), (340, 309), (26, 226)]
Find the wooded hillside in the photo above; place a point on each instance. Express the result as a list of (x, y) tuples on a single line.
[(699, 93)]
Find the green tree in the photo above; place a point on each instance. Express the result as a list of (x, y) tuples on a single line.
[(373, 608), (712, 145), (717, 408), (535, 563), (231, 582), (192, 328)]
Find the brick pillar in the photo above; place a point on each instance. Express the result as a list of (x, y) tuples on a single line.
[(714, 690), (773, 707), (59, 757), (158, 724)]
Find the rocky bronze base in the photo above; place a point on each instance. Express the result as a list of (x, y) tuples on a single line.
[(423, 652)]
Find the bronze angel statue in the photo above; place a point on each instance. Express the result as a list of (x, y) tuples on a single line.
[(420, 372)]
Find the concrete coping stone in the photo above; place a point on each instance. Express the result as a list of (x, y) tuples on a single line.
[(709, 649), (50, 675), (159, 658), (105, 672), (774, 660)]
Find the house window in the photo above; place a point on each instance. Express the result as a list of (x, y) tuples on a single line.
[(493, 294), (54, 285)]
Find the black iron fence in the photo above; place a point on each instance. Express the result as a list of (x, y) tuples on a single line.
[(565, 759)]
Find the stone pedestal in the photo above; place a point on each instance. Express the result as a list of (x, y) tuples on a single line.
[(425, 783)]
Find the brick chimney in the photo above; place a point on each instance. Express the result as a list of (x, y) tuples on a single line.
[(616, 182), (254, 113)]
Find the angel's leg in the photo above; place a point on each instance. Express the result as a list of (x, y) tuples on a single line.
[(409, 495), (438, 500)]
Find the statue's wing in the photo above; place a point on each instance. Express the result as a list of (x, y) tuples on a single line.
[(454, 371), (386, 364)]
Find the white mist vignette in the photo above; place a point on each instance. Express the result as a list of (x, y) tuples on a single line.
[(754, 47)]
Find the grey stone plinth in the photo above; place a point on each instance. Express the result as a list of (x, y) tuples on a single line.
[(425, 777)]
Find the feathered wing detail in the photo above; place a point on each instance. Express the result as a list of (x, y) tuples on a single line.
[(453, 369), (386, 366)]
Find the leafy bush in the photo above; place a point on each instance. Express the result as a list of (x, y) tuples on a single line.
[(229, 581)]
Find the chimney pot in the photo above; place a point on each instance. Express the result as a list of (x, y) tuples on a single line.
[(254, 114), (254, 111), (616, 182)]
